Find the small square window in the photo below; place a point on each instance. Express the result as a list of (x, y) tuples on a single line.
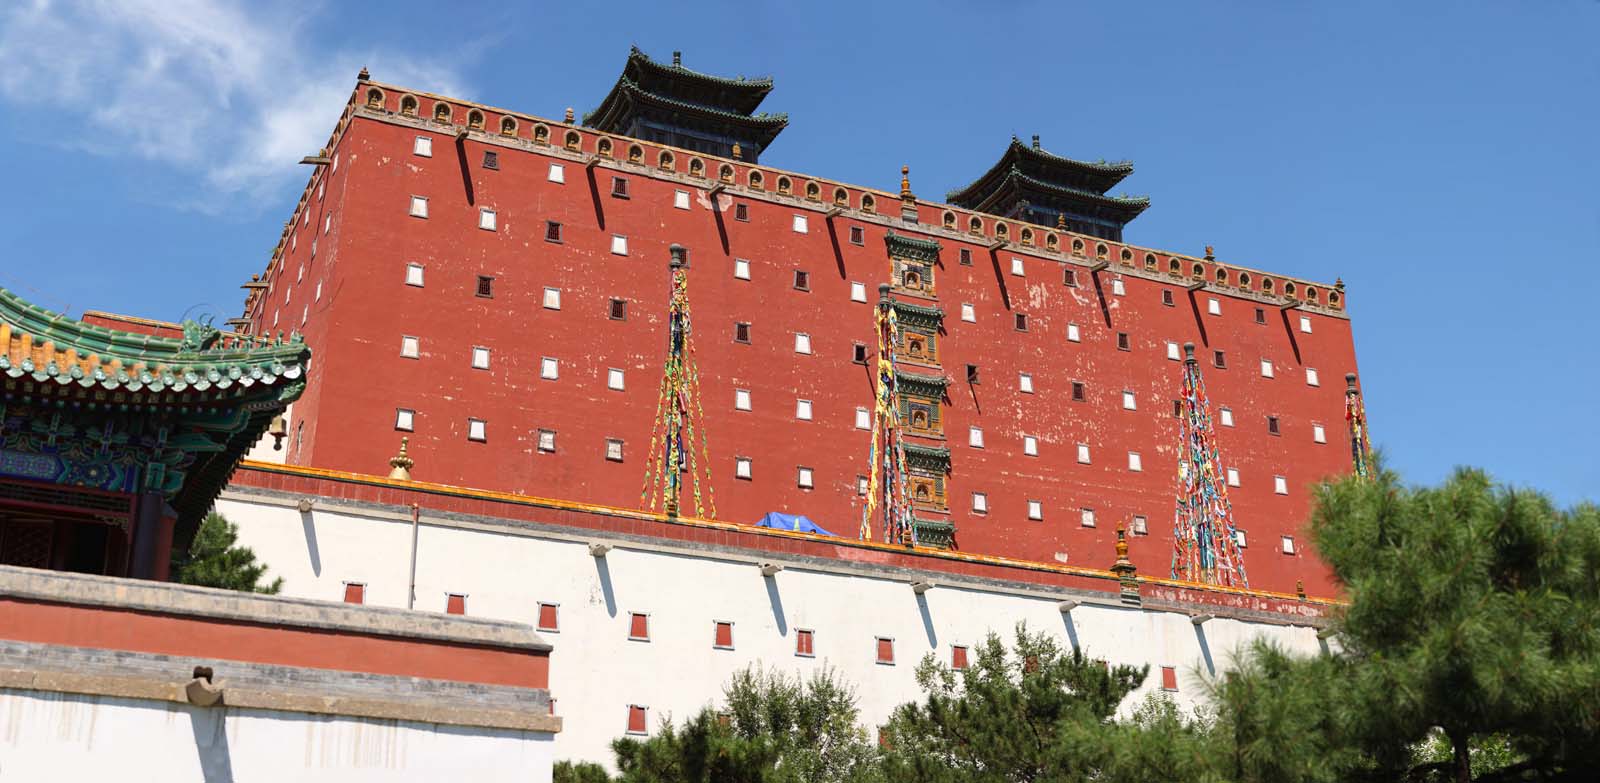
[(619, 187), (1227, 417), (1241, 539), (549, 618), (858, 235), (414, 275), (552, 299), (1135, 462), (722, 635), (802, 410), (614, 379), (1305, 324), (1025, 383), (1233, 477), (486, 219), (885, 651), (1288, 545), (1123, 343), (1311, 377), (558, 173), (1078, 391), (802, 280), (1166, 298), (355, 593), (805, 644), (1083, 453), (1086, 517), (552, 231), (614, 449), (1219, 359), (491, 159), (858, 353), (958, 657), (619, 310), (1169, 678), (480, 358), (802, 342), (1020, 321), (1172, 351), (405, 419), (861, 486), (1030, 446), (863, 419), (680, 199), (455, 603), (547, 441), (1073, 334), (419, 207), (980, 503), (1117, 288), (1016, 267), (741, 268), (969, 313), (410, 347), (1272, 425), (1261, 315), (477, 430), (966, 256), (1266, 368), (1035, 510), (549, 368), (1213, 306), (422, 147), (1141, 526), (858, 292), (741, 468), (799, 224), (1318, 435), (741, 399), (741, 212), (1280, 485), (741, 332), (1069, 278), (1129, 401), (804, 480), (975, 437), (636, 719), (619, 245), (639, 626), (486, 286)]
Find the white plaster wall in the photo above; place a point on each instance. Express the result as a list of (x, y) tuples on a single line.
[(53, 736), (596, 671)]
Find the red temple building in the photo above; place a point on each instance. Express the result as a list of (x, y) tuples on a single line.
[(495, 287)]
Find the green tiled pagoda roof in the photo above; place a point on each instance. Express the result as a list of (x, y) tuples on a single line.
[(766, 126), (1103, 174), (1130, 205), (749, 91), (911, 247)]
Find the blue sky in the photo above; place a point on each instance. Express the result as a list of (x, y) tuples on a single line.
[(1440, 157)]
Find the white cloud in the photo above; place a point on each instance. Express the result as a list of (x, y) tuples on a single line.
[(235, 94)]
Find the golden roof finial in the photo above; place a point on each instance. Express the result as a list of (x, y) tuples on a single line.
[(1061, 221), (738, 154), (905, 183), (569, 115), (400, 464), (1211, 254), (1122, 545), (1300, 588)]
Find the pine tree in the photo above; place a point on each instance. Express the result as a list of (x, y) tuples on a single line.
[(216, 560)]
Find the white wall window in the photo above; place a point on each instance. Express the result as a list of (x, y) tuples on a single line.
[(1233, 477), (861, 486), (547, 441), (1073, 335), (1172, 351), (802, 342), (318, 296), (975, 437), (805, 478), (741, 399), (1213, 306), (1311, 377), (405, 419), (741, 467), (1288, 545), (614, 449), (969, 313), (1305, 324), (802, 410), (863, 419), (549, 368), (1030, 445), (478, 430), (1240, 539), (614, 379), (486, 219), (619, 245), (858, 292), (980, 503), (741, 268), (419, 206), (480, 358), (1129, 401), (327, 223), (558, 173), (680, 199), (410, 347), (1117, 288), (422, 146), (1035, 510), (1141, 526), (1025, 382), (1318, 435), (1083, 453), (1016, 266), (552, 299), (1266, 368), (1086, 517), (1280, 485), (414, 275), (800, 226), (1135, 462), (1227, 417)]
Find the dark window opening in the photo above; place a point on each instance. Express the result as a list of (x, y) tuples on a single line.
[(741, 212), (972, 374), (485, 286), (619, 187), (1220, 359), (1166, 299), (1021, 321), (491, 160), (858, 235), (966, 256), (1070, 278), (1261, 315), (1272, 425), (619, 309), (859, 353), (741, 332), (1077, 391), (552, 231), (1177, 409), (802, 280), (1122, 341)]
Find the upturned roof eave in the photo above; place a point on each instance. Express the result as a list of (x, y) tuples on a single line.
[(1109, 173), (748, 93)]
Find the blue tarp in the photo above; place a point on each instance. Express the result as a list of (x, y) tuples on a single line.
[(796, 522)]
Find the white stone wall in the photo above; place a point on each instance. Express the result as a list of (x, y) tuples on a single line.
[(596, 671), (54, 736)]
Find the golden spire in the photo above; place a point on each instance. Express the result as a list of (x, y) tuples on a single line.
[(1061, 221), (905, 183), (400, 464), (569, 115), (738, 154)]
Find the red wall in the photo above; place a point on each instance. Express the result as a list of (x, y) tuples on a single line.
[(359, 378)]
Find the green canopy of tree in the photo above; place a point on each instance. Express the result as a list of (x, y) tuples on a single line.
[(216, 560)]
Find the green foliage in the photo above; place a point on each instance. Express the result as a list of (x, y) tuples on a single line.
[(215, 560), (580, 772)]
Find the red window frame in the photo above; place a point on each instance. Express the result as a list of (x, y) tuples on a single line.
[(549, 617), (355, 593), (639, 626), (1169, 678), (958, 657), (805, 643), (455, 603), (723, 639), (637, 719), (885, 650)]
